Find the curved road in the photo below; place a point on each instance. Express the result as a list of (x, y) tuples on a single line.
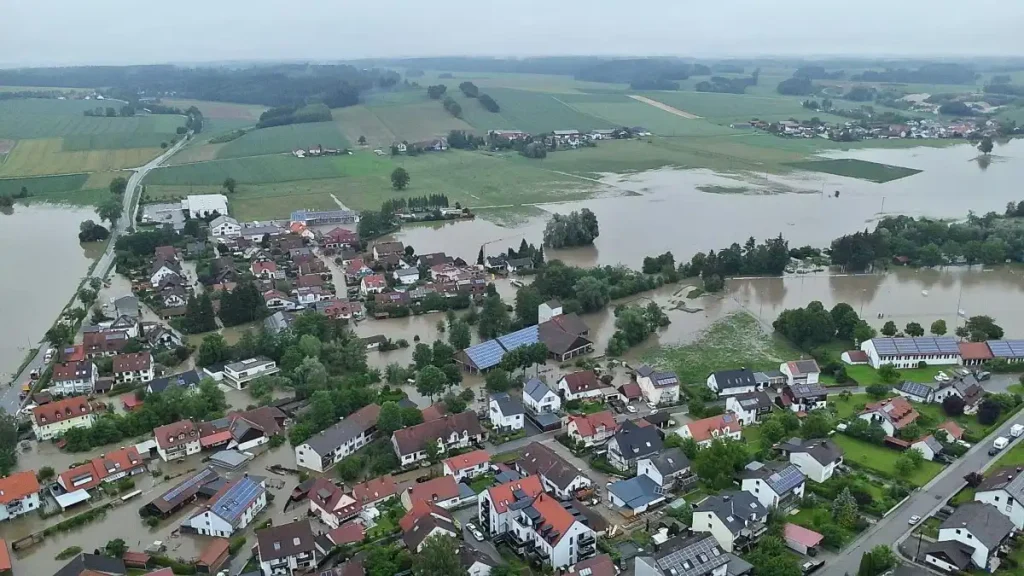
[(9, 397)]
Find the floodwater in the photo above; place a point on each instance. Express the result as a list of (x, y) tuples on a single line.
[(42, 263)]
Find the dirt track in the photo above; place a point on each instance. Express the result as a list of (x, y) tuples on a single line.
[(664, 107)]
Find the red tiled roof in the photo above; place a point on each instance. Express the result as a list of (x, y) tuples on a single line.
[(588, 424), (374, 281), (5, 556), (414, 438), (355, 265), (175, 434), (468, 460), (975, 351), (802, 535), (259, 267), (436, 490), (215, 551), (600, 565), (17, 486), (704, 429), (420, 509), (215, 438), (347, 533), (136, 559), (71, 371), (631, 390), (130, 401), (61, 410), (501, 496), (336, 501), (554, 515), (582, 381), (953, 428), (375, 489), (100, 468), (309, 281), (858, 356), (434, 411), (132, 362), (899, 414)]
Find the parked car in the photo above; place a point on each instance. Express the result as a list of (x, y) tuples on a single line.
[(914, 520), (811, 566), (982, 376), (652, 405), (631, 409)]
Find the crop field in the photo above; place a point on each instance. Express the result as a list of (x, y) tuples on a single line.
[(46, 156), (728, 108), (269, 169), (356, 121), (538, 112), (43, 185), (415, 122), (860, 169), (630, 113), (280, 139), (530, 82), (25, 119), (76, 189)]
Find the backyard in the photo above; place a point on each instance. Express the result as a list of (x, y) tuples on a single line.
[(882, 460), (866, 375)]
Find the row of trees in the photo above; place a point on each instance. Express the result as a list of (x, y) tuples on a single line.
[(814, 326), (414, 203), (769, 257), (453, 107), (575, 229), (633, 325), (283, 115)]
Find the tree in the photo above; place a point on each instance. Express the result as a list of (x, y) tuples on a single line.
[(45, 474), (362, 140), (877, 390), (985, 326), (439, 557), (430, 381), (575, 229), (214, 349), (906, 463), (771, 558), (591, 293), (87, 296), (399, 178), (938, 328), (528, 299), (89, 231), (310, 377), (877, 561), (845, 320), (422, 355), (816, 425), (988, 411), (351, 467), (442, 354), (8, 443), (230, 184), (110, 210), (199, 315), (889, 329), (808, 327), (310, 346), (844, 509), (497, 381), (494, 320), (458, 335), (914, 329), (118, 186), (986, 145), (718, 463), (115, 548), (953, 405)]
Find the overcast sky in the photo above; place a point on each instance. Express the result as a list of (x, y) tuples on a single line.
[(34, 32)]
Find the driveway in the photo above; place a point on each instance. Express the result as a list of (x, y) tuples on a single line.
[(464, 517)]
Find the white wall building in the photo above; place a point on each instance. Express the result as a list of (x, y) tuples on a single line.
[(225, 227), (816, 459), (327, 448), (467, 466), (732, 382), (1004, 489), (177, 440), (910, 352), (548, 310), (505, 413), (539, 399), (231, 510), (204, 205), (774, 484), (239, 374), (980, 527), (73, 378), (19, 494), (800, 372), (733, 518), (661, 388)]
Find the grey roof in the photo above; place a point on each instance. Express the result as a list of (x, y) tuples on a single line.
[(761, 378), (221, 220), (663, 379), (184, 380), (1009, 479), (774, 374), (350, 427), (554, 303), (957, 552), (932, 443), (638, 442), (781, 477), (754, 400), (247, 364), (422, 528), (824, 451), (801, 391), (636, 492), (915, 389), (278, 322), (984, 521), (734, 379), (285, 540), (508, 405), (644, 371), (804, 367), (408, 272), (734, 509), (94, 562), (691, 556), (670, 461), (539, 459), (536, 389), (230, 459)]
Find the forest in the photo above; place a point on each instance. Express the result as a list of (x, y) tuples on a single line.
[(937, 73)]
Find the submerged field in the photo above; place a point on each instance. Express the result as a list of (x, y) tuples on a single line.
[(851, 168)]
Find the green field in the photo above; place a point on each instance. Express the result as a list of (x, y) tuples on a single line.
[(866, 375), (728, 108), (28, 119), (280, 139), (882, 460), (860, 169)]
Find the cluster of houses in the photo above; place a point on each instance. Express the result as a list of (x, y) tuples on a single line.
[(439, 144), (316, 152), (916, 129), (569, 138)]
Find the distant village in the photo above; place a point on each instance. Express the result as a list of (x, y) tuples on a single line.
[(920, 129)]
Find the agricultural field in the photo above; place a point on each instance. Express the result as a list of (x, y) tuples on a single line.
[(73, 189), (860, 169), (27, 119), (280, 139), (47, 156)]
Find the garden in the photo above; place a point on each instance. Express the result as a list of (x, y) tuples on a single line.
[(882, 461)]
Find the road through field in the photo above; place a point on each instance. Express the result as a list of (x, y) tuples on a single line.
[(664, 107)]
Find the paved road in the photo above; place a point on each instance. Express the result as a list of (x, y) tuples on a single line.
[(9, 400), (922, 503)]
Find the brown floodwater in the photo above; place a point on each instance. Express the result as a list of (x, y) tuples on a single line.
[(42, 263)]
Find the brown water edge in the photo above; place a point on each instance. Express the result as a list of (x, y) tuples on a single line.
[(42, 263)]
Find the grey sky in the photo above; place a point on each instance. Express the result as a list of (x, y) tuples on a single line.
[(34, 32)]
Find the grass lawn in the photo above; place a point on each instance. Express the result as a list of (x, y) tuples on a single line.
[(882, 459), (848, 408), (504, 457), (481, 483), (280, 139), (1012, 457), (929, 527), (860, 169), (964, 496), (866, 375), (736, 340), (44, 156)]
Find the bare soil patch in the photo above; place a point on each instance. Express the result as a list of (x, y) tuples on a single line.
[(665, 107)]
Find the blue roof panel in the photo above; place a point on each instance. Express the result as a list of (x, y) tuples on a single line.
[(485, 354), (524, 337)]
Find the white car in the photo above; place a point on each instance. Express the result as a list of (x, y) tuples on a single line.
[(655, 411), (941, 377), (631, 409), (477, 534), (652, 405), (914, 520)]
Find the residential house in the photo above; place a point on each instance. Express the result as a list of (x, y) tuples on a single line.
[(224, 227), (630, 392), (275, 300), (635, 495), (505, 413), (855, 357), (817, 459), (442, 491), (188, 380), (631, 443), (557, 476), (177, 440), (950, 430), (928, 446), (372, 284), (667, 469), (309, 296), (265, 270), (539, 399), (382, 250), (309, 281), (388, 301), (467, 466), (735, 519), (287, 549), (660, 388), (406, 276), (546, 531), (173, 295), (517, 265), (348, 533), (565, 337), (128, 306), (582, 385), (732, 382), (778, 484), (135, 367), (975, 530), (696, 555), (966, 387), (749, 408), (450, 431), (548, 310), (162, 269), (477, 563), (329, 447), (232, 509), (340, 238), (109, 467), (375, 491), (915, 391), (53, 419), (239, 374), (332, 505), (338, 309), (1004, 489), (279, 322), (94, 565), (257, 233), (19, 494), (592, 429), (803, 398), (800, 372), (892, 414), (707, 430), (497, 504), (100, 343), (355, 270), (73, 378), (910, 352), (423, 521)]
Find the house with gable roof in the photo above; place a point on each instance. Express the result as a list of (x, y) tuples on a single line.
[(542, 529), (817, 459), (732, 382), (707, 430), (53, 419), (505, 413), (661, 388), (778, 484), (970, 538), (892, 414), (233, 508), (424, 520), (557, 475), (468, 465), (324, 450), (582, 385), (1004, 489), (631, 443), (449, 431), (800, 372), (332, 505), (696, 555), (666, 468), (592, 429), (736, 519), (19, 494), (496, 504)]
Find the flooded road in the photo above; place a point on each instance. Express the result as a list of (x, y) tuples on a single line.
[(43, 262)]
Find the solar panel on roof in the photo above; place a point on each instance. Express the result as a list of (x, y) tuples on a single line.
[(486, 354), (524, 337), (231, 505), (188, 484), (786, 479)]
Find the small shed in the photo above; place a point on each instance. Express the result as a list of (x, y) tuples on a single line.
[(801, 539), (213, 556), (136, 560)]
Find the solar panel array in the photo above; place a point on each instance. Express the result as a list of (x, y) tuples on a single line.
[(201, 478), (524, 337), (916, 389), (1006, 348), (488, 354), (690, 560), (786, 479), (665, 379), (915, 346), (233, 503)]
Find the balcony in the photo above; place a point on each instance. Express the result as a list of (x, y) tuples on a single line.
[(539, 554), (586, 540)]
